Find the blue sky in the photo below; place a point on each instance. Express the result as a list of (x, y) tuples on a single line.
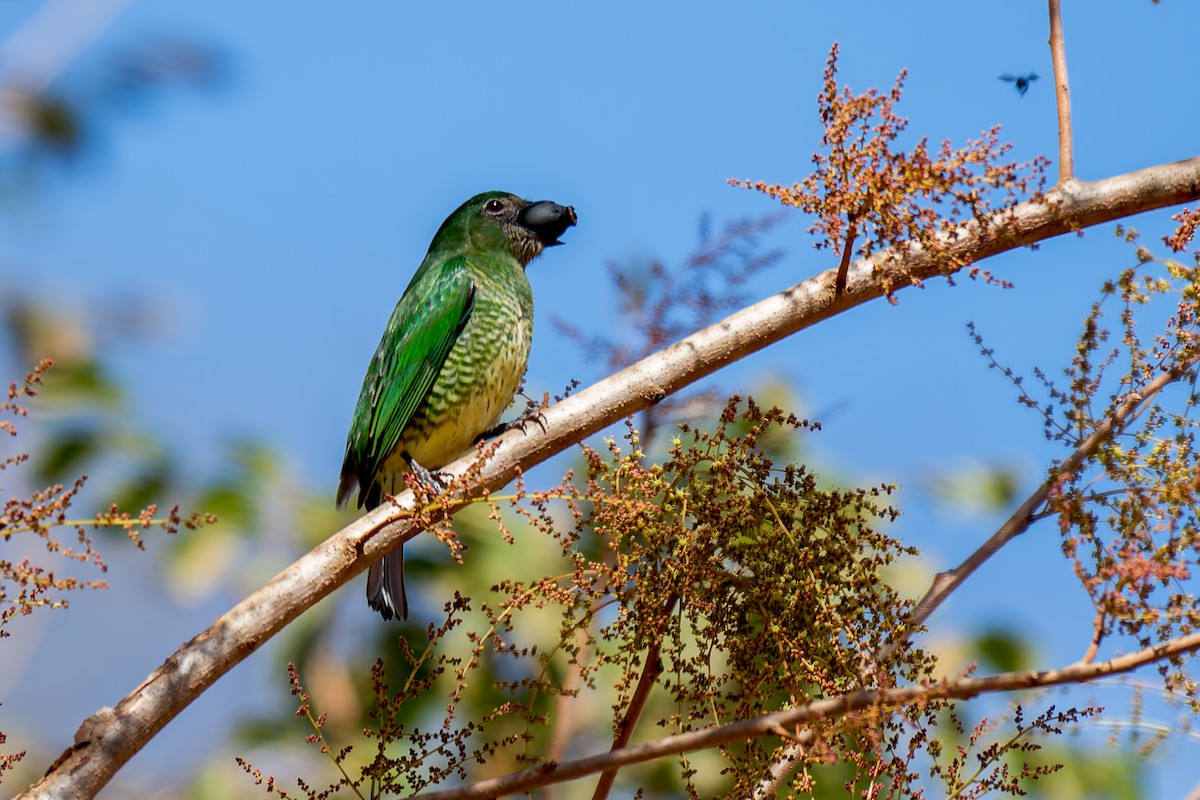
[(274, 222)]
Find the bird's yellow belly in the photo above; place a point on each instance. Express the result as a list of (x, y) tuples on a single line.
[(441, 441)]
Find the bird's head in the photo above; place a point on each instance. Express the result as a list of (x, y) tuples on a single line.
[(501, 220)]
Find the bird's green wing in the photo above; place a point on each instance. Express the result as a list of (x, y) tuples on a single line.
[(425, 325)]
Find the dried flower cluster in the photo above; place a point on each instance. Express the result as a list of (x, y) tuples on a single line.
[(1129, 515), (755, 587), (1127, 501), (975, 769), (1189, 222), (26, 583), (868, 197), (706, 589)]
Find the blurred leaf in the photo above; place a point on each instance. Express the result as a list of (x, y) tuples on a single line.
[(58, 128), (55, 125), (228, 500), (1087, 772), (979, 488), (151, 483), (1004, 650), (317, 518), (254, 460), (261, 731), (83, 383), (200, 562), (65, 453)]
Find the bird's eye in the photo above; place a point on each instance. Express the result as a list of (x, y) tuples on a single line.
[(493, 206)]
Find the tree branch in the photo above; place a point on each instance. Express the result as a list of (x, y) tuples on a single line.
[(111, 737), (819, 712), (1062, 96), (1097, 637), (782, 767)]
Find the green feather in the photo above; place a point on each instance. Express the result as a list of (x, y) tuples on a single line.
[(423, 328)]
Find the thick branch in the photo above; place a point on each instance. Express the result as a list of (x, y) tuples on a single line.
[(110, 738), (820, 711)]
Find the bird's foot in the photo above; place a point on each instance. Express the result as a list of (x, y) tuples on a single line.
[(430, 480), (531, 414)]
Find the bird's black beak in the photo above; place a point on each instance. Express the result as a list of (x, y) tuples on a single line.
[(546, 219)]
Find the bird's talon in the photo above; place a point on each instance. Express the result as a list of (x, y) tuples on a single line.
[(431, 480), (532, 413)]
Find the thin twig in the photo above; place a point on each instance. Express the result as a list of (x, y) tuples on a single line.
[(1021, 519), (819, 712), (569, 699), (1097, 638), (1062, 96), (843, 270), (641, 694)]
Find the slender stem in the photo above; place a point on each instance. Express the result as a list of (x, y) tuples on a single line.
[(1097, 637), (641, 694), (821, 711), (565, 704), (843, 270), (569, 700), (92, 522), (1062, 96), (1019, 522), (327, 749), (984, 763)]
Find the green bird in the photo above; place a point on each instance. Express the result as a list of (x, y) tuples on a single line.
[(450, 361)]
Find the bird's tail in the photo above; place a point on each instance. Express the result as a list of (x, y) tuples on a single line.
[(385, 585)]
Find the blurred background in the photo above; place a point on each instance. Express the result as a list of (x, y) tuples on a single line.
[(207, 212)]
